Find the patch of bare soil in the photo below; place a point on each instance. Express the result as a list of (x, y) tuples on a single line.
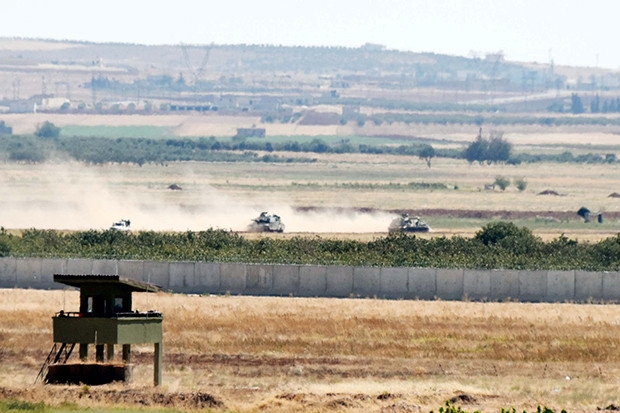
[(475, 214), (548, 192)]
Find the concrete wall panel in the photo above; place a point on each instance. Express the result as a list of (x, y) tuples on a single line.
[(286, 280), (232, 278), (326, 281), (259, 279), (182, 277), (49, 267), (207, 278), (339, 281), (79, 266), (477, 284), (532, 286), (504, 285), (611, 286), (158, 273), (366, 281), (394, 282), (131, 269), (449, 284), (312, 280), (28, 272), (588, 286), (560, 286), (8, 273), (108, 267), (422, 283)]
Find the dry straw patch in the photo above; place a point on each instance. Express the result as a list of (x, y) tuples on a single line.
[(307, 354)]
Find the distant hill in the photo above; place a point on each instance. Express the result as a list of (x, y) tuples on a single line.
[(215, 77)]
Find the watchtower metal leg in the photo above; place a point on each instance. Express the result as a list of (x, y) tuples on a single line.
[(83, 351), (110, 351), (99, 353), (157, 364), (127, 353)]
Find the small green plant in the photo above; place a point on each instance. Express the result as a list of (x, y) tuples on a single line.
[(521, 184), (502, 182), (21, 406), (451, 408), (85, 390)]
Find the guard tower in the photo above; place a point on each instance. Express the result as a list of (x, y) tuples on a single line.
[(105, 318)]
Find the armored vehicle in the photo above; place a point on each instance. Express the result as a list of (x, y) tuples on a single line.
[(406, 224), (122, 225), (266, 222)]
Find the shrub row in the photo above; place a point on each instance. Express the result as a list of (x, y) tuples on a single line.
[(142, 150), (499, 245)]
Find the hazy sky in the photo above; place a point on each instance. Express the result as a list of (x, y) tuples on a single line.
[(572, 32)]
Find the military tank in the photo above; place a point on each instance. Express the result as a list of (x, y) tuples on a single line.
[(266, 222), (404, 223)]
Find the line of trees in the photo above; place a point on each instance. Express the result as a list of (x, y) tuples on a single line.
[(48, 139), (498, 245)]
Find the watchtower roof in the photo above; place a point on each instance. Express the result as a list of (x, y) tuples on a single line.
[(81, 280)]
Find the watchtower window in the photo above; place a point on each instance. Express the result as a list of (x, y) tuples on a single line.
[(118, 304)]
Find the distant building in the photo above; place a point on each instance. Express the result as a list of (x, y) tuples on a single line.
[(494, 57), (251, 132), (22, 106), (373, 47)]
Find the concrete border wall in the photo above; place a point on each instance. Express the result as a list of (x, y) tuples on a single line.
[(327, 280)]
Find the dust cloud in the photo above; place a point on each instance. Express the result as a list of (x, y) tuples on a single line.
[(71, 196)]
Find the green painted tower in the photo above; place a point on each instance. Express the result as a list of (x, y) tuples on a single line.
[(105, 319)]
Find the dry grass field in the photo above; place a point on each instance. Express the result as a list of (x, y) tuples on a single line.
[(250, 354)]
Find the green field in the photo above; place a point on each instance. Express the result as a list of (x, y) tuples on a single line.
[(151, 132)]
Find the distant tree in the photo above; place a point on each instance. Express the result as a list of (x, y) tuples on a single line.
[(576, 105), (595, 105), (427, 152), (584, 213), (476, 151), (318, 146), (4, 129), (494, 150), (181, 80), (47, 130), (499, 149)]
